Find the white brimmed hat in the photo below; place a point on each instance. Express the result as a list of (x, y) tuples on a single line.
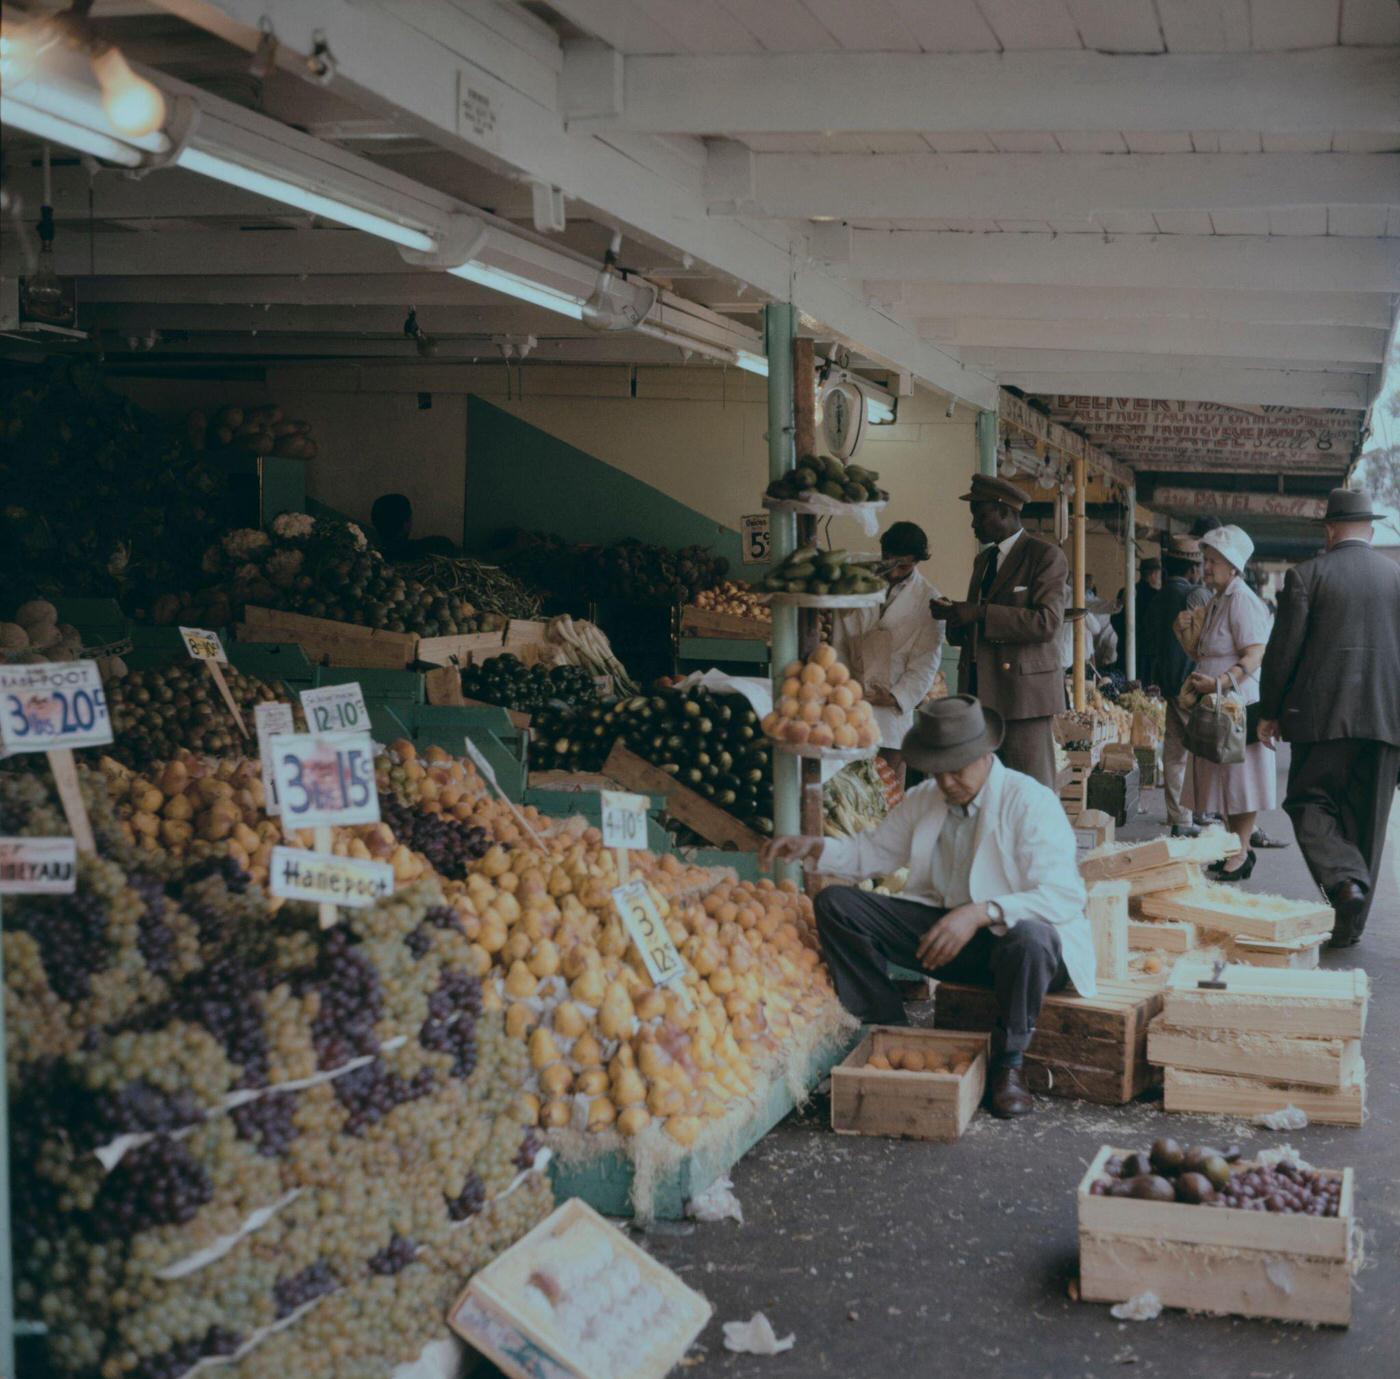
[(1232, 542)]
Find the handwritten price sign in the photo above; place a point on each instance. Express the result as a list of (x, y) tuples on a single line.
[(624, 820), (324, 779), (51, 705), (335, 709), (38, 866), (643, 921), (326, 879), (204, 645)]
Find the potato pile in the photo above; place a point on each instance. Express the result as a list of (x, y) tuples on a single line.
[(917, 1061), (821, 705), (740, 600), (264, 430), (37, 635)]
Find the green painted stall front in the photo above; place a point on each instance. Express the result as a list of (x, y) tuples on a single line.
[(520, 476)]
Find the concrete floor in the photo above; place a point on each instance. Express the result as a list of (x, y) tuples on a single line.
[(892, 1258)]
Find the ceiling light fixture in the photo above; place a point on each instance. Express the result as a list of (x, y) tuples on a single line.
[(43, 124)]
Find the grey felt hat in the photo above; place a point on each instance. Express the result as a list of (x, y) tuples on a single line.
[(949, 733)]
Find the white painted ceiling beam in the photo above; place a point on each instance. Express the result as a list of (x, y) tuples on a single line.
[(876, 92), (416, 288), (1322, 344), (1253, 262), (1056, 187), (500, 316), (432, 70), (1008, 359), (1230, 386), (1024, 301)]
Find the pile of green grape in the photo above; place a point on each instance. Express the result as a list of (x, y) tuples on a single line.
[(343, 1087)]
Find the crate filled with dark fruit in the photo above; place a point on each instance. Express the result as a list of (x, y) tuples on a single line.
[(1207, 1230)]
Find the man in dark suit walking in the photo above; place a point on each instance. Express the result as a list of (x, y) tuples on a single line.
[(1330, 686), (1008, 627)]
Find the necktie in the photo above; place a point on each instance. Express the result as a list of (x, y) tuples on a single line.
[(990, 573)]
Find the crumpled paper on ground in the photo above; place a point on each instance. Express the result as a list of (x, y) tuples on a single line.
[(1142, 1308), (716, 1203), (1284, 1154), (756, 1337), (1290, 1118)]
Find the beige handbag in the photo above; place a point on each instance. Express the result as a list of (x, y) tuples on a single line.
[(872, 659)]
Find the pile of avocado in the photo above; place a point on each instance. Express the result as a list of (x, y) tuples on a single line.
[(809, 570), (846, 483)]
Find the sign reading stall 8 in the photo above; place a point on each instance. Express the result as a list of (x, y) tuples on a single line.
[(325, 779)]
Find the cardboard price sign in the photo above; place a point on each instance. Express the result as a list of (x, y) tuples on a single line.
[(271, 720), (38, 866), (325, 779), (648, 930), (335, 709), (51, 705), (325, 879), (756, 538), (204, 645), (624, 820)]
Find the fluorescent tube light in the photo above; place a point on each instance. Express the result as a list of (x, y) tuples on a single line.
[(278, 189), (44, 125), (535, 293), (752, 363), (877, 412)]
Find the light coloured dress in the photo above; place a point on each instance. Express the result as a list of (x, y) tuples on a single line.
[(1236, 618)]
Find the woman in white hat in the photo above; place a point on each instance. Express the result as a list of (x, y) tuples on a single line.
[(1228, 654)]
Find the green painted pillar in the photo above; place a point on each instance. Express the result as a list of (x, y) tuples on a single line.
[(987, 443), (7, 1277), (1129, 582), (779, 330)]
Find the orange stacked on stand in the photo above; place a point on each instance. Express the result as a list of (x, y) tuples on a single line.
[(822, 705)]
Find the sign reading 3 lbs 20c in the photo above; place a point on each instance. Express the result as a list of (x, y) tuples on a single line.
[(325, 778), (53, 704)]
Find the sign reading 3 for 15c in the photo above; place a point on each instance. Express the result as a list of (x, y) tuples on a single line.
[(325, 779)]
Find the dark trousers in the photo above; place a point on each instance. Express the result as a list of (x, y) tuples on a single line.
[(1029, 747), (1339, 797), (861, 933)]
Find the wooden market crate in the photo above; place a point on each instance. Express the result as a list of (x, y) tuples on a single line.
[(910, 1105), (461, 650), (1163, 935), (1216, 1094), (1105, 864), (701, 622), (1175, 876), (327, 642), (1228, 910), (1278, 1058), (1217, 1259), (1093, 1048), (713, 824), (1269, 1001), (521, 1333), (1300, 954)]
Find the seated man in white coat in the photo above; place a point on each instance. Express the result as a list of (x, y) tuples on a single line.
[(994, 897), (894, 650)]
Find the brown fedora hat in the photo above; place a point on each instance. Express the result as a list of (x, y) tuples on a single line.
[(1347, 505), (949, 733)]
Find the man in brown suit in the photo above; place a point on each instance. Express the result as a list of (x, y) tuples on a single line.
[(1008, 627)]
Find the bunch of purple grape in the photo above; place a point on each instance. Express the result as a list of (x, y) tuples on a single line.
[(351, 999), (269, 1123), (158, 1183), (396, 1255), (470, 1200), (451, 1024), (300, 1288), (1284, 1188), (172, 1363), (371, 1092), (448, 843)]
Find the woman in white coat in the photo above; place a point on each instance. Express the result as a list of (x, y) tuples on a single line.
[(894, 649)]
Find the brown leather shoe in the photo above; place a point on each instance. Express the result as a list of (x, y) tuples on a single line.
[(1008, 1096), (1349, 902)]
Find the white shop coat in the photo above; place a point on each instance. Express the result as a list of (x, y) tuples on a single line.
[(1023, 858), (917, 648)]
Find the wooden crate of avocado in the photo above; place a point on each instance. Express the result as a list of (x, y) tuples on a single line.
[(1285, 1266), (1089, 1048)]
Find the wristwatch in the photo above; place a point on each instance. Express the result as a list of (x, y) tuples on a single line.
[(996, 912)]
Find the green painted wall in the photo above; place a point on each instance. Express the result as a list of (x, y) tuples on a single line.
[(519, 476)]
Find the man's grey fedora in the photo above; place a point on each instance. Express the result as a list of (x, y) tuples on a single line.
[(1346, 505), (949, 733)]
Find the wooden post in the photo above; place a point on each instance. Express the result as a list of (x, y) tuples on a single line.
[(324, 843), (1078, 583), (65, 777), (1108, 918), (1130, 629), (624, 867), (804, 398), (217, 671)]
